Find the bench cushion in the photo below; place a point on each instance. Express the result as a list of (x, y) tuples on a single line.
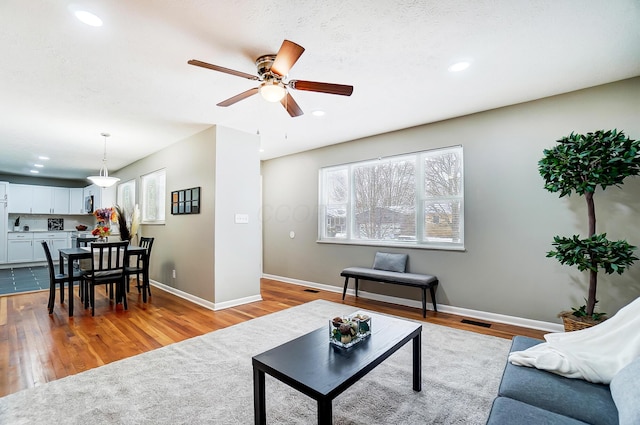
[(576, 398), (411, 279), (390, 262)]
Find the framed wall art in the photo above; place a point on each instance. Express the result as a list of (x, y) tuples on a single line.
[(185, 201)]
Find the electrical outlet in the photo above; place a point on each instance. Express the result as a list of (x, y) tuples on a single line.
[(174, 274)]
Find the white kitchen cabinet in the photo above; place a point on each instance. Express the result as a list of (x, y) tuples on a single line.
[(19, 247), (41, 200), (50, 200), (60, 200), (30, 199), (55, 240), (19, 198), (4, 221), (76, 201), (26, 246)]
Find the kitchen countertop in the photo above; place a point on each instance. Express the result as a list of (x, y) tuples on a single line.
[(40, 231)]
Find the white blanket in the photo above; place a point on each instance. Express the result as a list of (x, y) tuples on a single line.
[(594, 354)]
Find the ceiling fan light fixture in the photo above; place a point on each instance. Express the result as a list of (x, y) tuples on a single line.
[(459, 66), (88, 18), (103, 179), (272, 91)]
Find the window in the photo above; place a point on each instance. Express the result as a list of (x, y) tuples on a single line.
[(126, 196), (153, 197), (406, 200)]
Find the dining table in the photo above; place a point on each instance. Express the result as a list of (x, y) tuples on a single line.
[(82, 253)]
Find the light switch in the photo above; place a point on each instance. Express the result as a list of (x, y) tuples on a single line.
[(242, 218)]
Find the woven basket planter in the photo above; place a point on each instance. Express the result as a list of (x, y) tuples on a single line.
[(573, 323)]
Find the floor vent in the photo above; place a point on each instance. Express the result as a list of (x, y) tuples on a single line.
[(473, 322), (313, 291)]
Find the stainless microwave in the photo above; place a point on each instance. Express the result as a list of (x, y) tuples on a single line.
[(88, 204)]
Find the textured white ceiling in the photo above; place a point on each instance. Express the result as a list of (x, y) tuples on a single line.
[(62, 82)]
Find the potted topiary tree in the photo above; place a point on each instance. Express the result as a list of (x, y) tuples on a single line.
[(580, 163)]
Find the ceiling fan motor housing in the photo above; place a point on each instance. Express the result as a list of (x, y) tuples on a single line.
[(263, 63)]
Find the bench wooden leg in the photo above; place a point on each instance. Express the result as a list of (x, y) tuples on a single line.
[(357, 287), (424, 301), (432, 289), (346, 282)]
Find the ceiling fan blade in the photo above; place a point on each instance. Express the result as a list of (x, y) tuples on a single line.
[(287, 56), (222, 69), (239, 97), (329, 88), (291, 106)]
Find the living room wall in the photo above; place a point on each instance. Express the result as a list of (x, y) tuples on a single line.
[(205, 249), (510, 220)]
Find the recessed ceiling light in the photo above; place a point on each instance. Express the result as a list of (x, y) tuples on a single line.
[(459, 66), (44, 158), (34, 171), (318, 113), (38, 165), (88, 18)]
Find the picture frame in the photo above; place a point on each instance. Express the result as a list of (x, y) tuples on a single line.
[(186, 201)]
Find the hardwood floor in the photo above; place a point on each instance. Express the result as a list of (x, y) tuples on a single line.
[(36, 347)]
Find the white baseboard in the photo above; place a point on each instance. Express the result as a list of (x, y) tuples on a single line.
[(202, 302), (492, 317)]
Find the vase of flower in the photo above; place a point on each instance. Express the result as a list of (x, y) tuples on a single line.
[(103, 228), (102, 231)]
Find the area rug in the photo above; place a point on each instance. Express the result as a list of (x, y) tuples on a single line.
[(208, 380)]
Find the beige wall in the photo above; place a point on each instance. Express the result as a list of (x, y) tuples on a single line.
[(510, 219), (215, 259), (185, 242)]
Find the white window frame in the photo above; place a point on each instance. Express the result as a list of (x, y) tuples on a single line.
[(421, 199), (153, 196)]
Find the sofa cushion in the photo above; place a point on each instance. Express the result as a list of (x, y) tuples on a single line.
[(576, 398), (507, 411), (626, 393), (390, 262)]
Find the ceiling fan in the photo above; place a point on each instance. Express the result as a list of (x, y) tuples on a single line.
[(272, 74)]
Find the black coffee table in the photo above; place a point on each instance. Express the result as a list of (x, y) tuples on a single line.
[(313, 366)]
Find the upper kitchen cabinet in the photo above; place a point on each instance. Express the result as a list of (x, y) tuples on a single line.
[(76, 201), (28, 199), (20, 198)]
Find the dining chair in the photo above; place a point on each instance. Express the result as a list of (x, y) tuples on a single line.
[(57, 278), (85, 242), (107, 268), (138, 268)]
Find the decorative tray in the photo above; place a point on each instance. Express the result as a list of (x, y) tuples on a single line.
[(345, 332)]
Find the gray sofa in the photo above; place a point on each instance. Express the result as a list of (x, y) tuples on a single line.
[(528, 396)]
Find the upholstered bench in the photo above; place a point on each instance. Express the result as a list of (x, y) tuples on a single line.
[(390, 268)]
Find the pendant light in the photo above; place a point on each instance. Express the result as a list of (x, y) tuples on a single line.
[(103, 179)]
